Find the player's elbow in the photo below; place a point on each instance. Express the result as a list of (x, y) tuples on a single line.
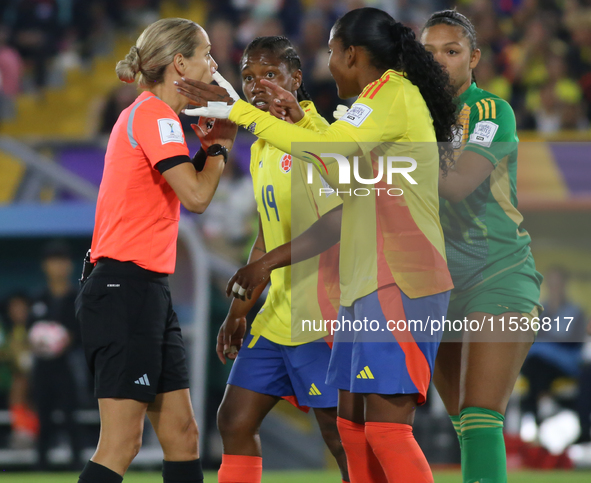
[(195, 206), (453, 197), (196, 203), (454, 192)]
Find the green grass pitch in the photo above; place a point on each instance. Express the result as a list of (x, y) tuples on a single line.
[(300, 476)]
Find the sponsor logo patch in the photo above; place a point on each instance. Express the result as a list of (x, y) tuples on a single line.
[(357, 115), (170, 131), (484, 133)]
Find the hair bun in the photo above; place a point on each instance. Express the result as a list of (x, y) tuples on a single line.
[(128, 68)]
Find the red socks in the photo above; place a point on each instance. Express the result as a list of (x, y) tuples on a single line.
[(398, 452), (362, 463), (240, 469)]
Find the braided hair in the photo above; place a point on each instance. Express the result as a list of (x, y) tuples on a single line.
[(391, 45), (454, 18), (285, 51)]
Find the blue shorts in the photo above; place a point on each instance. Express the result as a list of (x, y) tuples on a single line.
[(285, 371), (391, 346)]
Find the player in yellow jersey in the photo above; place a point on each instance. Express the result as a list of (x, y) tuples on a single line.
[(489, 257), (392, 258), (274, 362)]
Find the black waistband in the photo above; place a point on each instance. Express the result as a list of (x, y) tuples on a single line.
[(108, 266)]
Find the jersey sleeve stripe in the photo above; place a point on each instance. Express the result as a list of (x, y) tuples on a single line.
[(480, 112), (493, 108), (369, 88), (130, 119), (376, 90), (486, 109)]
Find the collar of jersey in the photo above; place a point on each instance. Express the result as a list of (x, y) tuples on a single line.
[(146, 94), (467, 93)]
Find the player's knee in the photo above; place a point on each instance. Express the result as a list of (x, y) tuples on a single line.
[(124, 448), (185, 435), (232, 423), (190, 431)]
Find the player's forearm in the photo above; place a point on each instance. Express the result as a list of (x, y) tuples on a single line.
[(281, 134), (207, 182), (240, 308), (322, 235), (467, 174), (452, 187)]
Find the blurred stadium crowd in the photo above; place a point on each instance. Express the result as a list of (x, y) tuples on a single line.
[(536, 54)]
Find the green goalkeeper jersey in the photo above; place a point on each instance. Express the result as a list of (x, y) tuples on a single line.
[(483, 237)]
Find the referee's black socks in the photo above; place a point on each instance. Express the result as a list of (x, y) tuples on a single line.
[(182, 471), (95, 473)]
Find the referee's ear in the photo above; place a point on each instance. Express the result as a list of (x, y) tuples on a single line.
[(179, 64)]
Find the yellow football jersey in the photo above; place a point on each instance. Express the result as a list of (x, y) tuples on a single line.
[(385, 239), (278, 182)]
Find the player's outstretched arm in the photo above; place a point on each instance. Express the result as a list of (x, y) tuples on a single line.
[(322, 235)]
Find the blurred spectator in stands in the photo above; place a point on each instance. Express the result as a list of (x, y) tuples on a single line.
[(36, 32), (556, 353), (557, 104), (578, 24), (5, 378), (224, 51), (120, 98), (54, 336), (490, 80), (313, 52), (24, 421), (227, 221), (11, 71)]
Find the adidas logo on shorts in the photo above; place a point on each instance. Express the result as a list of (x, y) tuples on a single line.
[(143, 381), (365, 374)]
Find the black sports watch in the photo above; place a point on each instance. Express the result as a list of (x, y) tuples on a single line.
[(213, 150), (218, 150)]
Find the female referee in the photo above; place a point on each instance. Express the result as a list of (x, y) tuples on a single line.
[(130, 333), (277, 358), (392, 256), (488, 255)]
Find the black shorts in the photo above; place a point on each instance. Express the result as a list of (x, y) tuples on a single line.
[(131, 336)]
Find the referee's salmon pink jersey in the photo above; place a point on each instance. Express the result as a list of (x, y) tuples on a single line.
[(384, 239), (137, 212)]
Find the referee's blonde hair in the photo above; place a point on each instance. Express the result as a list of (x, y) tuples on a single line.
[(155, 49)]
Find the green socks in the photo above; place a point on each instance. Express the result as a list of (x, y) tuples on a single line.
[(483, 446), (455, 420)]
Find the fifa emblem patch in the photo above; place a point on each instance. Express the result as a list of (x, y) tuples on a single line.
[(170, 131), (357, 115), (484, 133), (285, 163), (251, 127)]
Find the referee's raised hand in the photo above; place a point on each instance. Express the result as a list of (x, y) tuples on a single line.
[(215, 131)]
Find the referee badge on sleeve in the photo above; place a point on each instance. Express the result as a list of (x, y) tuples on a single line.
[(170, 131)]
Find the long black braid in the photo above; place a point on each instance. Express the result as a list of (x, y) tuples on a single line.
[(454, 18), (285, 51), (391, 45)]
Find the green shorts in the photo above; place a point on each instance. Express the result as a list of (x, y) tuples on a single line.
[(517, 291)]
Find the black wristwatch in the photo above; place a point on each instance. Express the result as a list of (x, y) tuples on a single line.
[(218, 150), (213, 150)]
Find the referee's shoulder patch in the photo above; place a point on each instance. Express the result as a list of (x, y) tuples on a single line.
[(170, 131)]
